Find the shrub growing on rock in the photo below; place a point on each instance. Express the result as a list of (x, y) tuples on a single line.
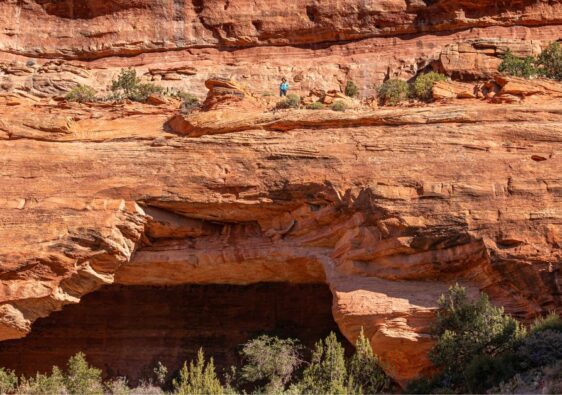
[(81, 378), (315, 106), (81, 94), (129, 86), (365, 372), (516, 66), (551, 322), (270, 360), (339, 105), (8, 381), (550, 62), (291, 101), (423, 86), (351, 89), (393, 91)]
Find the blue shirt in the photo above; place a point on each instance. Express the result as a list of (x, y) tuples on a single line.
[(285, 86)]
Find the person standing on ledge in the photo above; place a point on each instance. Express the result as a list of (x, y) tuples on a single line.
[(284, 87)]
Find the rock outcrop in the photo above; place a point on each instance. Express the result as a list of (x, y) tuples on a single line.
[(387, 206)]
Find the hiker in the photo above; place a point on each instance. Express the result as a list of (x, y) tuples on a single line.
[(284, 87)]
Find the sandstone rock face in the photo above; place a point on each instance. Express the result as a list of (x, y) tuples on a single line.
[(388, 206)]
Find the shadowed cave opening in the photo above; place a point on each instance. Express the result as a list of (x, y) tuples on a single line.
[(126, 330)]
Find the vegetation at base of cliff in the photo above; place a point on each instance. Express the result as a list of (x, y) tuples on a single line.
[(480, 348), (393, 91), (422, 87), (129, 86), (351, 90), (315, 106), (81, 94), (270, 366), (548, 64), (339, 106)]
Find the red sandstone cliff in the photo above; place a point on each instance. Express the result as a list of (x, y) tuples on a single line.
[(388, 207)]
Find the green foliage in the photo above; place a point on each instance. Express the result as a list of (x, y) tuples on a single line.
[(43, 384), (291, 101), (485, 372), (339, 106), (351, 89), (199, 378), (315, 106), (81, 378), (364, 369), (161, 372), (81, 94), (271, 360), (189, 102), (541, 348), (118, 386), (327, 372), (550, 62), (8, 381), (516, 66), (393, 91), (467, 329), (423, 86), (552, 321), (129, 86)]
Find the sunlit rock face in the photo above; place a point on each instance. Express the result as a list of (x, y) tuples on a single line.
[(387, 207)]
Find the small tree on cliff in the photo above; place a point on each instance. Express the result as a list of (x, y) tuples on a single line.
[(364, 369), (81, 378), (199, 378)]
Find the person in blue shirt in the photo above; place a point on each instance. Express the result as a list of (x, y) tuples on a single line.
[(284, 87)]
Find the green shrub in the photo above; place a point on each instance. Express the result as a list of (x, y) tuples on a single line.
[(466, 329), (160, 372), (327, 372), (423, 86), (8, 381), (81, 378), (43, 384), (541, 349), (126, 82), (270, 360), (552, 321), (339, 105), (118, 386), (291, 101), (365, 371), (485, 372), (189, 102), (393, 91), (143, 91), (81, 94), (199, 378), (315, 106), (518, 67), (550, 62), (351, 89)]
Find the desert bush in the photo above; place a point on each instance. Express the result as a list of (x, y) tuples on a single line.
[(467, 329), (550, 62), (339, 105), (291, 101), (199, 378), (551, 322), (81, 378), (189, 102), (485, 372), (143, 91), (423, 86), (270, 360), (540, 349), (351, 89), (393, 91), (315, 106), (43, 384), (118, 386), (126, 82), (516, 66), (326, 373), (81, 94), (8, 381), (365, 372)]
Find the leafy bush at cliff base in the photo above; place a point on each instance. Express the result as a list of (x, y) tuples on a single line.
[(393, 91), (271, 361), (8, 381), (327, 373), (291, 101), (81, 94), (365, 372), (81, 378), (518, 67), (550, 62), (351, 89), (423, 86), (315, 106), (129, 86), (552, 321), (199, 378)]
